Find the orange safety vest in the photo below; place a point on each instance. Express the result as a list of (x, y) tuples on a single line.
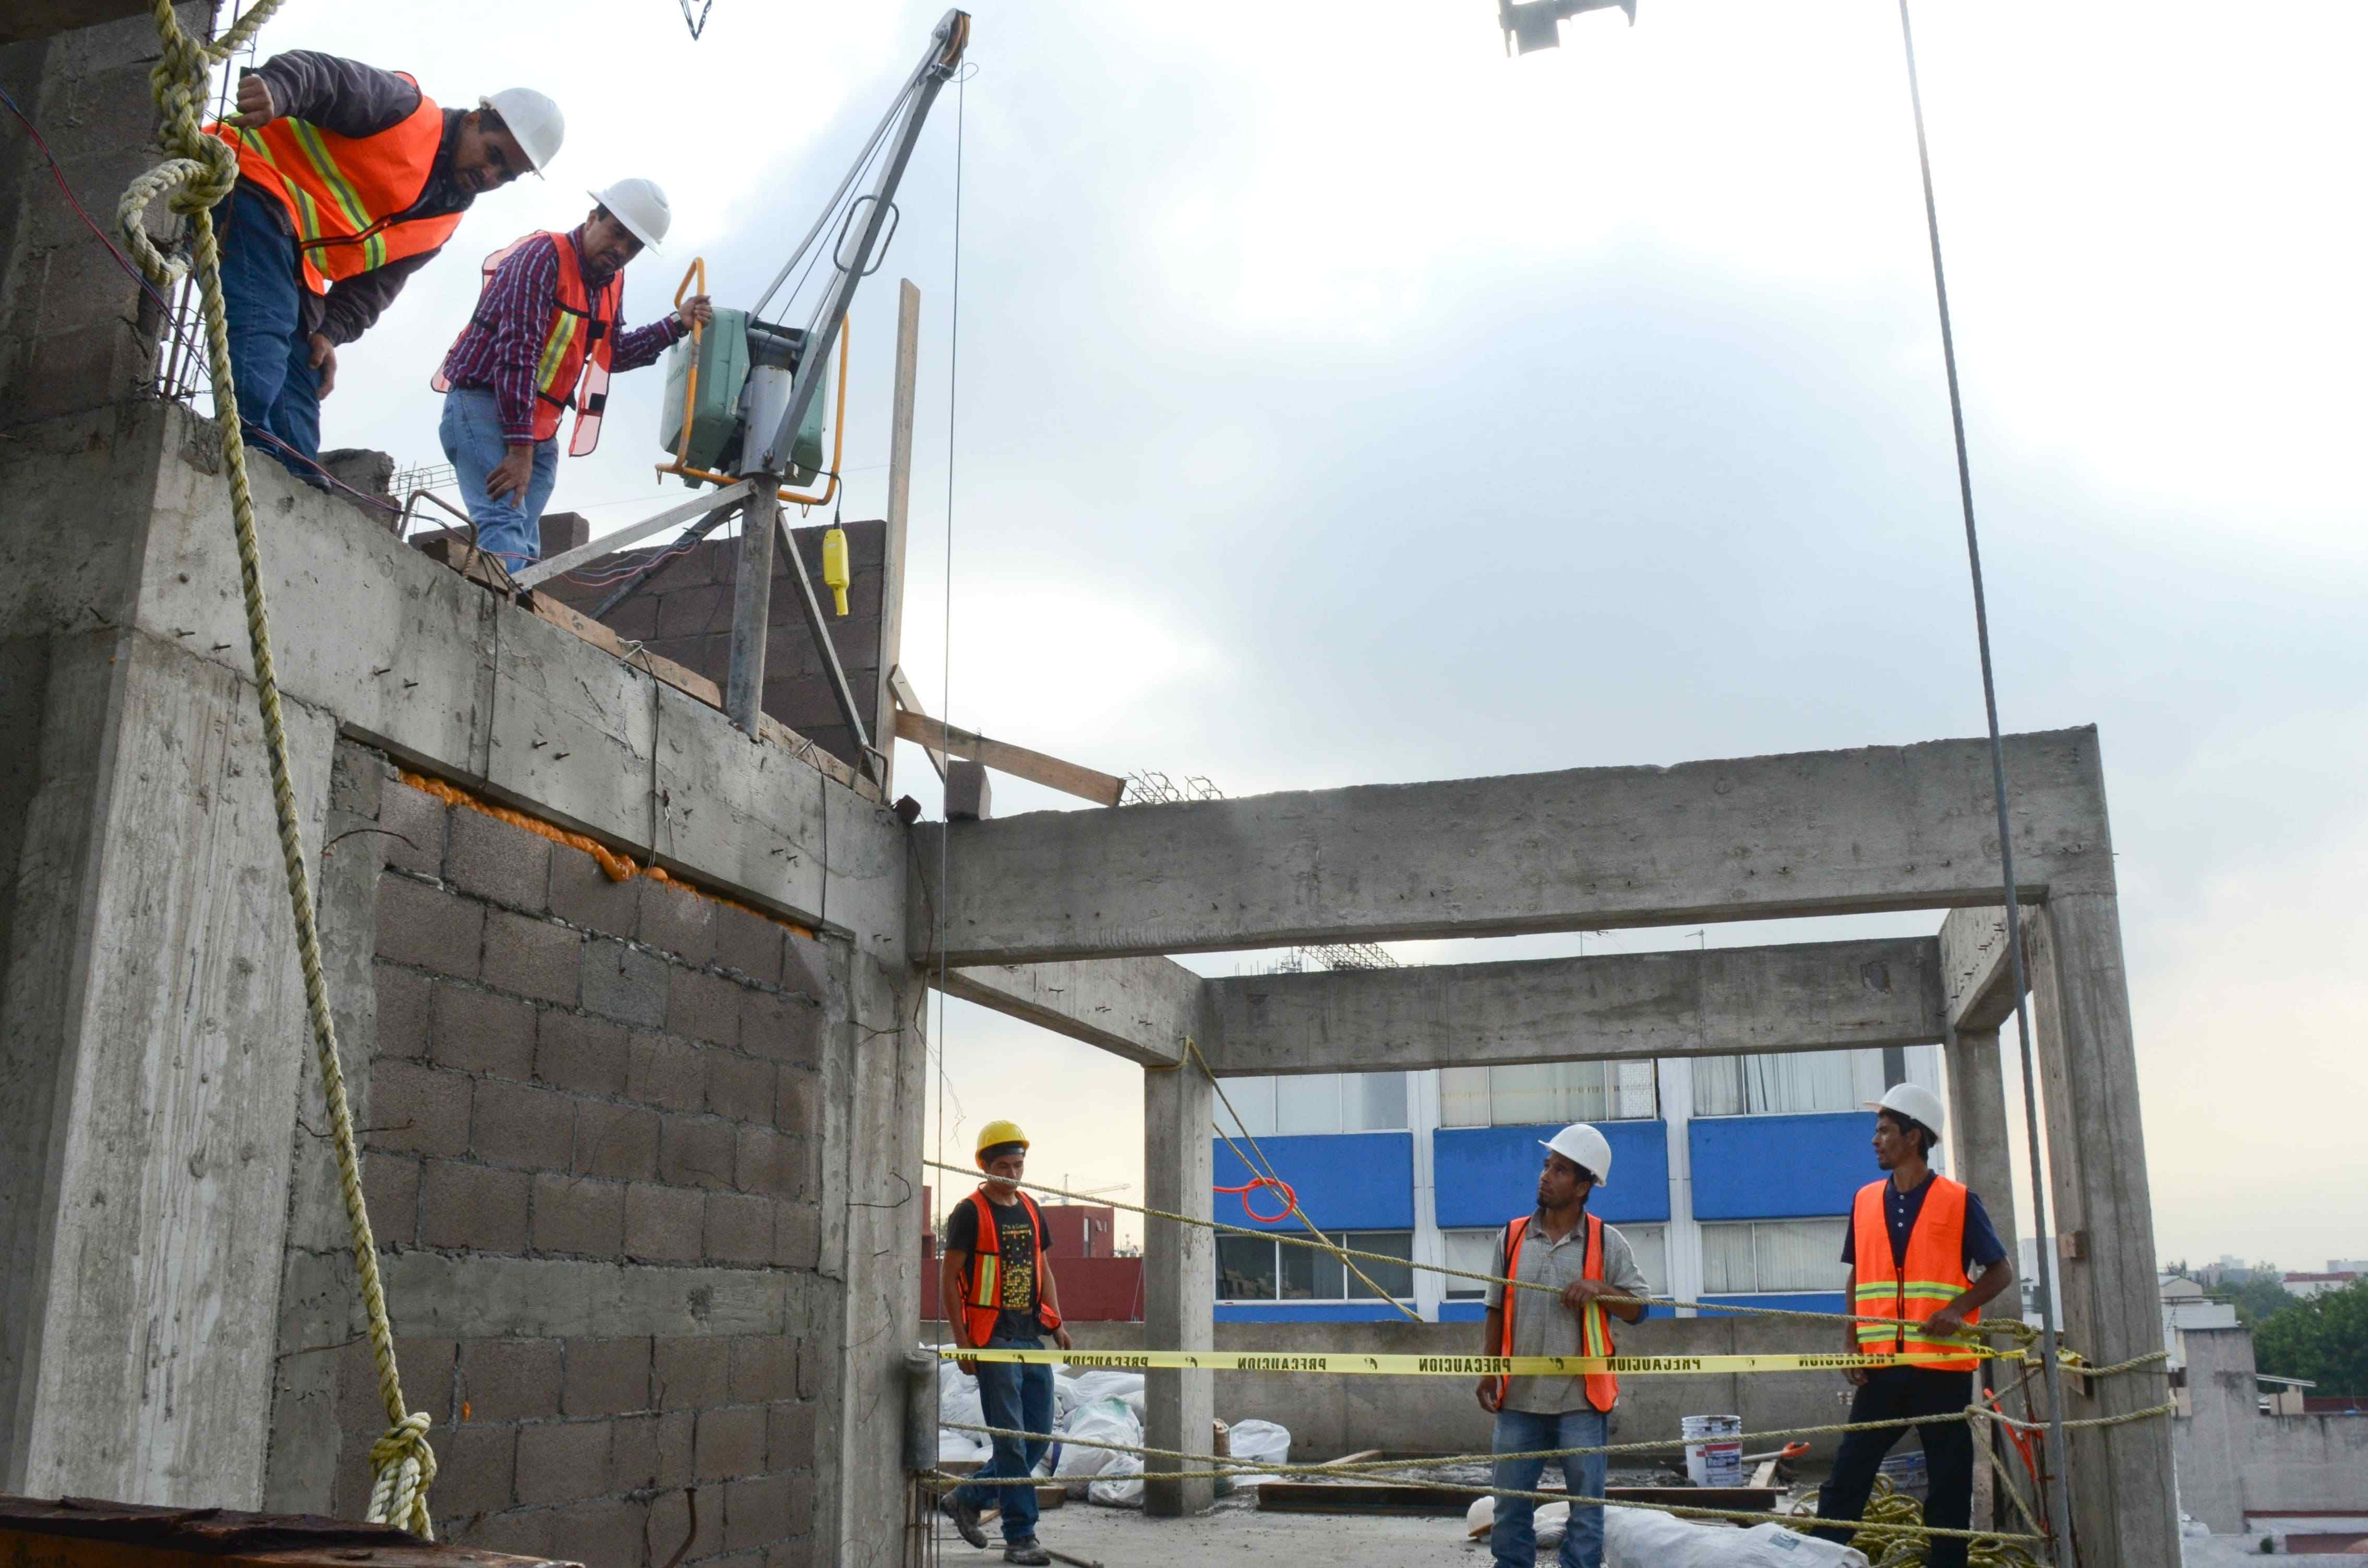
[(1932, 1275), (1594, 1324), (347, 195), (577, 345), (983, 1277)]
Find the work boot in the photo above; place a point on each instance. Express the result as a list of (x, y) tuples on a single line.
[(1029, 1552), (964, 1514)]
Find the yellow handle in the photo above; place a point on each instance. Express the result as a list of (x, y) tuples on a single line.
[(698, 269)]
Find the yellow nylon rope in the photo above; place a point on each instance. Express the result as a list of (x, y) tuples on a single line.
[(202, 172)]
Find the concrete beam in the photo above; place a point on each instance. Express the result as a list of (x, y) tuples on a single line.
[(1812, 997), (1976, 980), (1139, 1009), (1752, 838)]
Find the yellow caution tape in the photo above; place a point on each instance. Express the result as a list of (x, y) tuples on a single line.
[(1436, 1366)]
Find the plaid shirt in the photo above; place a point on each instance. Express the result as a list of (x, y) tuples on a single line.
[(498, 349)]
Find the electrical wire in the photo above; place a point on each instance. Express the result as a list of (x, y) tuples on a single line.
[(946, 673)]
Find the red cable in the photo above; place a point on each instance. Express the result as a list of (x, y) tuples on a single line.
[(1290, 1199)]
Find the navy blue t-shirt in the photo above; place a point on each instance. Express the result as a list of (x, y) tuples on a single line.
[(1899, 1211)]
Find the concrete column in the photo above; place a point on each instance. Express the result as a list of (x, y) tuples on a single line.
[(1179, 1277), (1977, 1126), (2124, 1505), (2217, 1440), (1681, 1240)]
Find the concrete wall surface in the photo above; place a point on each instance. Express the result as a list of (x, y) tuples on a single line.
[(2234, 1461)]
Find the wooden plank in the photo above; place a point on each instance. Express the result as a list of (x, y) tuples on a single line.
[(1101, 788), (900, 687), (899, 502), (1383, 1497)]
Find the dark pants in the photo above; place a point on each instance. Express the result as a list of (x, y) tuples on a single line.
[(1903, 1395), (270, 352), (1018, 1398)]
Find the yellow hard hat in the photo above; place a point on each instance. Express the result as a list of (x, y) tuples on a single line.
[(996, 1133)]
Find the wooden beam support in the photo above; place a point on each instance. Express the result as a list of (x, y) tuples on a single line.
[(900, 503), (1101, 788)]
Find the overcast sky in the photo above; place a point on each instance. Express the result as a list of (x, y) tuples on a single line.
[(1340, 401)]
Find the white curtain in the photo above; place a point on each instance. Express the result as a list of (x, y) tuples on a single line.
[(1474, 1250), (1799, 1255), (1767, 1084), (1310, 1103), (1727, 1268), (1463, 1096), (1254, 1098), (1651, 1245), (1373, 1102)]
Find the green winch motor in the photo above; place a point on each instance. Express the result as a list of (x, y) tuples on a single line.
[(721, 353)]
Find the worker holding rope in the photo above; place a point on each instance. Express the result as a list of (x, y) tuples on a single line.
[(1563, 1247), (1915, 1242), (996, 1284)]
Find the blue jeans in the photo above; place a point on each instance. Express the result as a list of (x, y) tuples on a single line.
[(270, 352), (511, 528), (1515, 1538), (1018, 1398)]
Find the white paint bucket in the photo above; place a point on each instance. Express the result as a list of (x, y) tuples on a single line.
[(1714, 1449)]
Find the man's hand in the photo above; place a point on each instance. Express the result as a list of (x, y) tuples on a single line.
[(1854, 1376), (1579, 1292), (1946, 1323), (510, 476), (1061, 1338), (968, 1365), (324, 363), (254, 106), (695, 311), (1489, 1399)]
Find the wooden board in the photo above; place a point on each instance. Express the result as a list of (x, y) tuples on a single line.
[(1069, 777)]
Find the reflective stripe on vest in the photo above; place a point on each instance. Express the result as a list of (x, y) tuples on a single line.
[(983, 1285), (1908, 1293), (345, 196), (1594, 1324), (572, 370)]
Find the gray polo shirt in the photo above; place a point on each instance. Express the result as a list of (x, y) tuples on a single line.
[(1543, 1326)]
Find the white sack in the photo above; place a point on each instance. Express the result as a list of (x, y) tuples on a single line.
[(959, 1445), (1103, 1421), (1552, 1521), (1093, 1385), (1638, 1538), (1119, 1486), (1260, 1442)]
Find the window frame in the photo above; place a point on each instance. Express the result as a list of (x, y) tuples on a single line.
[(1833, 1286), (1360, 1240), (1612, 1093), (1270, 1085)]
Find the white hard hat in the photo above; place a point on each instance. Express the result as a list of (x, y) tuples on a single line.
[(1585, 1147), (534, 119), (1915, 1102), (639, 205)]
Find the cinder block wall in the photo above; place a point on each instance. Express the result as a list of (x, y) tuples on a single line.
[(568, 1071)]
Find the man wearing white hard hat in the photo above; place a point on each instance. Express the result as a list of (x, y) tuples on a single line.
[(350, 179), (1586, 1275), (1924, 1260), (546, 335)]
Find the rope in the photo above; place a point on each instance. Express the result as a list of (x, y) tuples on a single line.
[(203, 172)]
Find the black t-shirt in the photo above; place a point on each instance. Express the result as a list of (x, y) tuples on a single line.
[(1019, 1240)]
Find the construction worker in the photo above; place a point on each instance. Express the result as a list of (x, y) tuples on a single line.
[(1916, 1239), (997, 1286), (544, 337), (1591, 1265), (351, 178)]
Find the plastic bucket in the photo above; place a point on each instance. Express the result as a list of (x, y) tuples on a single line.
[(1714, 1449)]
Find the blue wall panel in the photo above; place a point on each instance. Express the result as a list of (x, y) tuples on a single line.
[(1484, 1176), (1780, 1168), (1307, 1311), (1345, 1181)]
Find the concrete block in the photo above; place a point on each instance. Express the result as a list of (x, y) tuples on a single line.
[(771, 1164), (798, 1551), (520, 1125), (511, 1380), (797, 1235), (572, 1052), (805, 967), (633, 1447), (583, 894), (416, 1109), (731, 1442), (476, 1470), (611, 1377), (764, 1368), (391, 1188), (577, 1216), (740, 1088), (564, 531), (665, 1071), (523, 1532), (624, 984), (676, 1430), (474, 1208), (635, 620), (674, 920), (535, 958), (755, 1513), (790, 1442), (428, 927), (663, 1224), (478, 1031), (370, 472), (749, 944), (692, 1372), (739, 1227), (695, 1151), (696, 610), (787, 1028), (601, 1532), (705, 1007), (796, 1103), (616, 1140), (670, 1532), (968, 798), (403, 998), (411, 824), (560, 1460), (493, 860)]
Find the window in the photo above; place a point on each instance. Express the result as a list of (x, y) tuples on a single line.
[(1543, 1093), (1316, 1102), (1252, 1268), (1771, 1256), (1476, 1250), (1760, 1085)]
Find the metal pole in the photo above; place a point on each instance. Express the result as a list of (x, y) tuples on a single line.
[(2059, 1475), (752, 593)]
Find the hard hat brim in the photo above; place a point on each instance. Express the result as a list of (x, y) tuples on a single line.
[(1549, 1148)]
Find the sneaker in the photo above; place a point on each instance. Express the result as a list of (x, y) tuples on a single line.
[(964, 1514), (1028, 1552)]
